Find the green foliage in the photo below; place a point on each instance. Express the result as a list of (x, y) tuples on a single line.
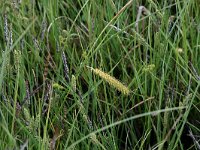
[(51, 100)]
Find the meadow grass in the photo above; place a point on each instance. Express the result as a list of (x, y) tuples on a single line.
[(104, 74)]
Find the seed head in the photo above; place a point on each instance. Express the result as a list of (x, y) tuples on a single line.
[(11, 36), (148, 68), (112, 81), (73, 83), (6, 30), (179, 50), (17, 57), (66, 69)]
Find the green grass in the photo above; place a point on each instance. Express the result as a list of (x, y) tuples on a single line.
[(52, 98)]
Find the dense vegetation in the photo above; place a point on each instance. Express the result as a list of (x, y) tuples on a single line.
[(106, 74)]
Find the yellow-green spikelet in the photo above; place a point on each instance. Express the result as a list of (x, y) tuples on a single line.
[(73, 83), (112, 81), (17, 58)]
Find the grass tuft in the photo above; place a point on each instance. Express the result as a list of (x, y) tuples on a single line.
[(141, 90)]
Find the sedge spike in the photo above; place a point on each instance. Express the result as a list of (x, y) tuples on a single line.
[(112, 81)]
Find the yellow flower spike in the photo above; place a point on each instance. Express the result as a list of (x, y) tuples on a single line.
[(73, 82), (94, 138), (58, 86), (179, 50), (148, 68), (17, 58), (111, 80)]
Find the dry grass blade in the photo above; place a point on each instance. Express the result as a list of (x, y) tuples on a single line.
[(194, 139)]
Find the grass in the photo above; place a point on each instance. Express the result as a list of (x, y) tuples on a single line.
[(91, 74)]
